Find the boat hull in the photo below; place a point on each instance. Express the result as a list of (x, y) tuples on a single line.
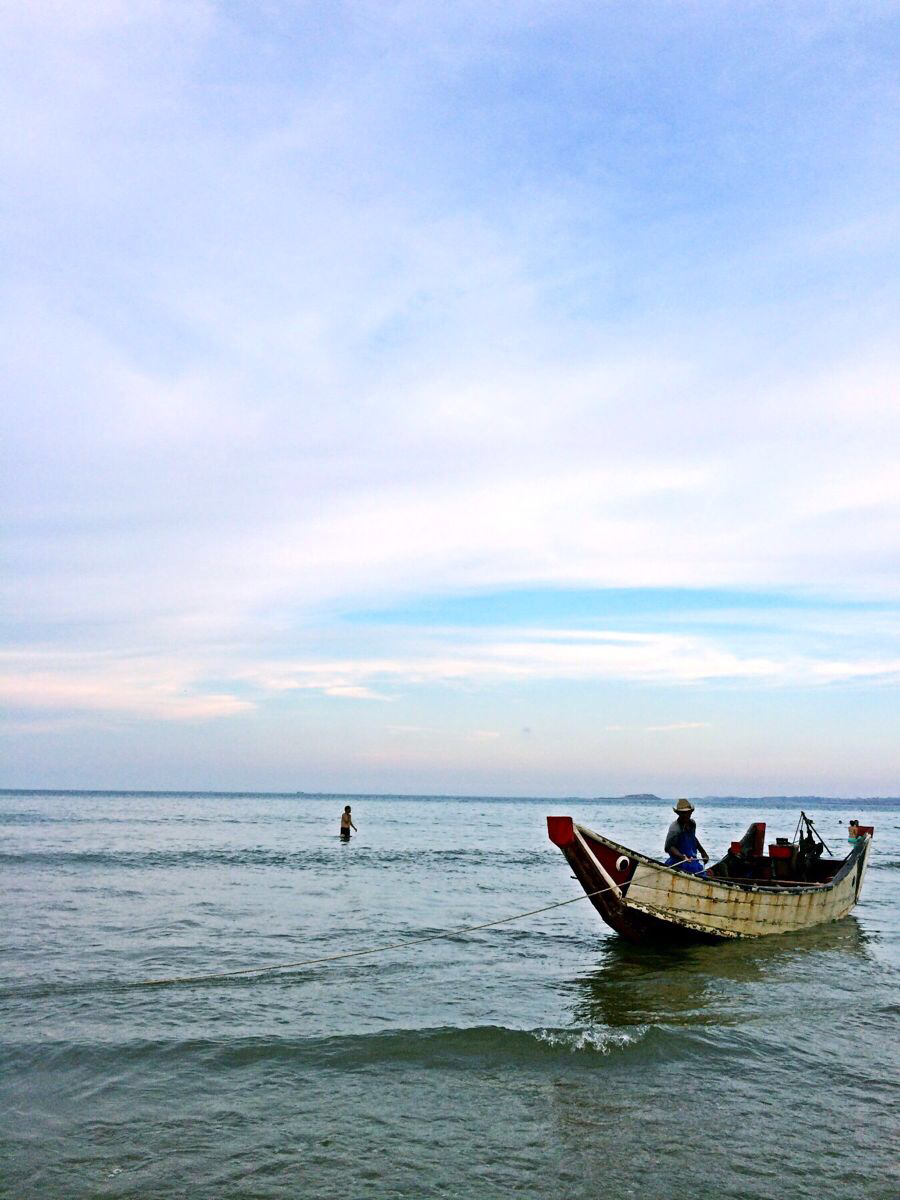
[(645, 901)]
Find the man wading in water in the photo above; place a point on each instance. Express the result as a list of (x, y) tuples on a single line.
[(682, 846), (347, 824)]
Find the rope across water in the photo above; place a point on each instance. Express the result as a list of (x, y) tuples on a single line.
[(404, 945)]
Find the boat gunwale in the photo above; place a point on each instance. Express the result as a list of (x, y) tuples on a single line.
[(741, 885)]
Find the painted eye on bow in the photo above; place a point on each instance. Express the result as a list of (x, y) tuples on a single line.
[(622, 863)]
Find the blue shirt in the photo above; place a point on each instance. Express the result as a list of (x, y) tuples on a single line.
[(682, 838)]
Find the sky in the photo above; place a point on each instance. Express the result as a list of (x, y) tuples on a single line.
[(456, 399)]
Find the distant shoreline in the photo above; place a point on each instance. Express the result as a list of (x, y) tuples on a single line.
[(639, 798)]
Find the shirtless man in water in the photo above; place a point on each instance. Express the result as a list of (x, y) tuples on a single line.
[(347, 824)]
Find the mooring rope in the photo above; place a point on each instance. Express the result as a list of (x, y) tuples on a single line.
[(404, 945)]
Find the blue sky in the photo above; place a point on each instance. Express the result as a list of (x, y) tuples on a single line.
[(472, 398)]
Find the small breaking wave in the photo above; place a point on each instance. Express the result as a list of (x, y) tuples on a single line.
[(440, 1048), (600, 1041)]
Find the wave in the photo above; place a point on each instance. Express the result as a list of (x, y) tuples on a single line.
[(449, 861), (443, 1047), (256, 857), (39, 818), (153, 858), (493, 1045)]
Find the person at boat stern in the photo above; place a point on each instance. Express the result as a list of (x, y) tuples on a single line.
[(682, 846), (347, 824)]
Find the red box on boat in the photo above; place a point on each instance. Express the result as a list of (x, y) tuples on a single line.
[(735, 847), (869, 829), (780, 851)]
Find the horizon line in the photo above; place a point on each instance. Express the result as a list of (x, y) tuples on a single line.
[(644, 797)]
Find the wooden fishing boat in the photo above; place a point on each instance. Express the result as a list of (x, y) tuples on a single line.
[(748, 893)]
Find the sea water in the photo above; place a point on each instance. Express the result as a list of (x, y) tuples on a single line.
[(541, 1058)]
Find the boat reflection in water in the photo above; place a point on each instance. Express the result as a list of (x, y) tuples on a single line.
[(725, 983), (692, 1062)]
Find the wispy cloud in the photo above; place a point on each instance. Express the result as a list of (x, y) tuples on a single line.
[(676, 726), (227, 682), (106, 684), (352, 692)]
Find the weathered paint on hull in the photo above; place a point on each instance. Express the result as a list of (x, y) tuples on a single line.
[(645, 901), (631, 923)]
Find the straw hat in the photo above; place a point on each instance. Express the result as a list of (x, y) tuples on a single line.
[(683, 806)]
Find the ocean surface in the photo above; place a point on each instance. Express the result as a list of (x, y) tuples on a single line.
[(540, 1058)]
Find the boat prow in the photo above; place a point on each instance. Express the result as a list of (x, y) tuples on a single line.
[(745, 894)]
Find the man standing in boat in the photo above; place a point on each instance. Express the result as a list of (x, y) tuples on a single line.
[(682, 846)]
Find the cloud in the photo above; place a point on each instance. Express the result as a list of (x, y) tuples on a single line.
[(352, 692), (886, 670), (675, 726), (233, 679), (453, 658), (304, 313), (104, 685)]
